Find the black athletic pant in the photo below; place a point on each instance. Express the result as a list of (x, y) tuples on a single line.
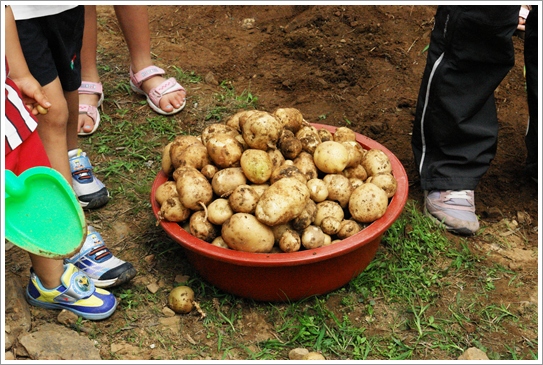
[(456, 127), (531, 62)]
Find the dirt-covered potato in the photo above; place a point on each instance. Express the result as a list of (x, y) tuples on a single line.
[(325, 135), (290, 118), (328, 208), (339, 188), (219, 210), (282, 201), (225, 181), (368, 203), (224, 150), (165, 191), (290, 241), (234, 120), (376, 161), (331, 157), (306, 217), (347, 228), (386, 181), (356, 153), (173, 211), (287, 170), (209, 171), (166, 163), (243, 232), (357, 171), (219, 242), (330, 225), (276, 157), (256, 165), (304, 162), (217, 128), (260, 188), (309, 136), (261, 130), (243, 199), (312, 237), (200, 227), (181, 299), (317, 190), (343, 134), (289, 145), (193, 188), (177, 148)]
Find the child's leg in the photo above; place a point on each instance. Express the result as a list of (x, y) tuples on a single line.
[(89, 69), (134, 22), (48, 270)]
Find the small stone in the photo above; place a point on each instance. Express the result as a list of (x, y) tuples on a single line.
[(473, 353), (297, 353)]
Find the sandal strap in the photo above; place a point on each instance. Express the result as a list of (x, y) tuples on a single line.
[(169, 86), (88, 87), (90, 110), (523, 13), (139, 77)]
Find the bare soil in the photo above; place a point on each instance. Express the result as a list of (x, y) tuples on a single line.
[(355, 66)]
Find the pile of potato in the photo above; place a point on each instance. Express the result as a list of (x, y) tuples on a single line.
[(272, 182)]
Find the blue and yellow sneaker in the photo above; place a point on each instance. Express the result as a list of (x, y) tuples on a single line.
[(77, 293), (90, 191), (97, 261)]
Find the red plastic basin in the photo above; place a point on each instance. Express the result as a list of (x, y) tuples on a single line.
[(281, 277)]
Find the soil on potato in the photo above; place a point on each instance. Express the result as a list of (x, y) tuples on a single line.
[(355, 66)]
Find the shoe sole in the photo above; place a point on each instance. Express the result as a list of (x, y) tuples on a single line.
[(121, 279), (91, 316), (95, 203)]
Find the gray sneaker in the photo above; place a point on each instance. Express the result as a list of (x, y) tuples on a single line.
[(454, 208)]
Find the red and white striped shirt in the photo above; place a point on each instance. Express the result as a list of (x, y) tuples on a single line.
[(19, 122)]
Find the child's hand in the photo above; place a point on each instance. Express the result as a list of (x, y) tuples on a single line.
[(523, 14), (34, 98)]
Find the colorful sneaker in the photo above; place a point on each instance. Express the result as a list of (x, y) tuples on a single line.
[(76, 294), (90, 191), (455, 209), (97, 261)]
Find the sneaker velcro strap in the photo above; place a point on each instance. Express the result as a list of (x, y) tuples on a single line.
[(79, 287), (80, 163)]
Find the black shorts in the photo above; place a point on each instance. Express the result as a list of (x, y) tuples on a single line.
[(52, 46)]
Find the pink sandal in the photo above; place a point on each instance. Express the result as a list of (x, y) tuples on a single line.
[(88, 87), (153, 98)]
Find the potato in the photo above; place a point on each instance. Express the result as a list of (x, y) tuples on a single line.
[(306, 217), (276, 158), (217, 128), (290, 241), (357, 171), (256, 165), (309, 137), (177, 148), (165, 191), (344, 134), (339, 188), (261, 130), (330, 225), (312, 237), (167, 166), (219, 210), (194, 190), (356, 153), (328, 208), (194, 155), (290, 118), (282, 201), (331, 157), (289, 145), (347, 228), (209, 171), (260, 188), (173, 211), (325, 135), (224, 150), (287, 170), (181, 299), (234, 120), (376, 161), (386, 181), (200, 227), (225, 181), (219, 242), (355, 182), (304, 162), (368, 203), (243, 199), (318, 190), (243, 232)]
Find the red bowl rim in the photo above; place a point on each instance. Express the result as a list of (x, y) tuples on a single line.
[(373, 231)]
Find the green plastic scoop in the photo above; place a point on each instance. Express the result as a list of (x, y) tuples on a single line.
[(42, 213)]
